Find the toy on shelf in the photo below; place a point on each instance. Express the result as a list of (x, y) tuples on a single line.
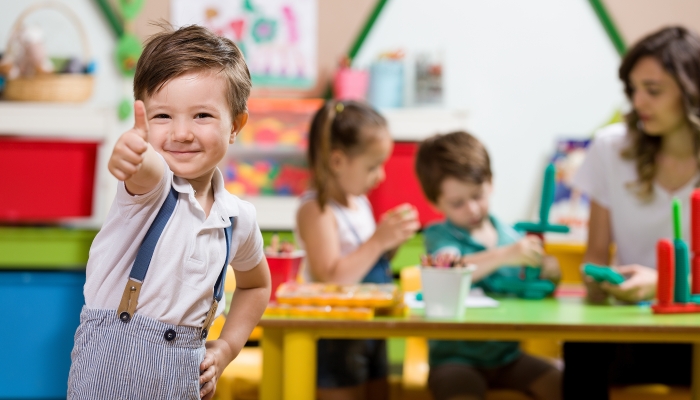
[(530, 286), (601, 273), (673, 292), (265, 177), (279, 122), (32, 75)]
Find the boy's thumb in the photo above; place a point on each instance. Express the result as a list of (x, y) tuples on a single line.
[(140, 120)]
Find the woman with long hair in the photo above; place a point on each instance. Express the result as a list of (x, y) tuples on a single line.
[(631, 174)]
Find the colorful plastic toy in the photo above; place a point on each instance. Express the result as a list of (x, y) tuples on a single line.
[(603, 274), (673, 292), (531, 286)]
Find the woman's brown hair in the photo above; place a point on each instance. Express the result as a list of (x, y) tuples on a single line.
[(345, 126), (678, 51)]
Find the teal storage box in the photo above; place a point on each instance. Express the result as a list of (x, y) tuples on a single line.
[(41, 313)]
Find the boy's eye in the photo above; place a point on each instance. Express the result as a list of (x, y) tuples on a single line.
[(654, 92), (161, 116), (203, 115), (457, 204)]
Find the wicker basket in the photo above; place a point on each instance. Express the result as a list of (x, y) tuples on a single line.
[(52, 87)]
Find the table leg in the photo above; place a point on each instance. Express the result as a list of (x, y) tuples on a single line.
[(299, 365), (272, 383), (695, 384)]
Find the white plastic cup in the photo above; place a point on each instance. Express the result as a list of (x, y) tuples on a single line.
[(445, 290)]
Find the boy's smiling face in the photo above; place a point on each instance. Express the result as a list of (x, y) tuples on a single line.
[(190, 123), (465, 204)]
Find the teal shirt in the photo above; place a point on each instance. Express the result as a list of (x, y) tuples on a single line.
[(487, 354)]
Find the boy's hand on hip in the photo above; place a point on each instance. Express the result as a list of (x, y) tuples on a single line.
[(128, 154), (217, 357)]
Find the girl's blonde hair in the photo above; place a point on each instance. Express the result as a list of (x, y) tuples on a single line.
[(339, 125), (678, 51)]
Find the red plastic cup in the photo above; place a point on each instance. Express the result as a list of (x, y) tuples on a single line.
[(283, 268)]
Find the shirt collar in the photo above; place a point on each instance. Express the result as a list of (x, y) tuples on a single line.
[(464, 235), (224, 207)]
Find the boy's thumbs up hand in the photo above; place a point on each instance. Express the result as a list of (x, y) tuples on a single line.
[(128, 153), (140, 119)]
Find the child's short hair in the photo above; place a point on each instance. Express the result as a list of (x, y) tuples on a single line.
[(172, 53), (458, 155)]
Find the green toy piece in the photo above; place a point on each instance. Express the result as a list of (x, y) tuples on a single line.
[(533, 289), (531, 286), (603, 274), (545, 204), (677, 227), (124, 109)]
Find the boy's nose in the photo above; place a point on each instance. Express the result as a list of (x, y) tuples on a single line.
[(182, 133)]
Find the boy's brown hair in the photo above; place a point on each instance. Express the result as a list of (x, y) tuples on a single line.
[(172, 53), (458, 155)]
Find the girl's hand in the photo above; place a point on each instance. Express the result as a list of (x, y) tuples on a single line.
[(639, 285), (217, 357), (526, 251), (550, 269), (396, 226)]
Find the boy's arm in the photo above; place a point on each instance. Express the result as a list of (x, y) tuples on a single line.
[(526, 251), (247, 306), (133, 159)]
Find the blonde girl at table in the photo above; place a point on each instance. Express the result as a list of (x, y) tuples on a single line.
[(348, 145), (631, 174)]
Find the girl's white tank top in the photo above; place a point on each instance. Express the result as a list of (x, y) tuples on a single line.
[(355, 225)]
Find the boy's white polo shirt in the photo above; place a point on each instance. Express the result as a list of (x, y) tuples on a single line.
[(636, 225), (178, 288)]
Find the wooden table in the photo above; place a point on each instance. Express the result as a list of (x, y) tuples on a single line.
[(289, 344)]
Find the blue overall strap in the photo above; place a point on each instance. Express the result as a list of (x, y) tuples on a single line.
[(130, 297), (148, 245), (219, 286)]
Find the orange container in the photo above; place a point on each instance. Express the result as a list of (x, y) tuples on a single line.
[(283, 268)]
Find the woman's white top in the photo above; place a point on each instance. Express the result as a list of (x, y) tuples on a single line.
[(355, 225), (636, 226)]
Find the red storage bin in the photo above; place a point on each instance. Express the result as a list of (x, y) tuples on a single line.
[(283, 269), (46, 180), (401, 185)]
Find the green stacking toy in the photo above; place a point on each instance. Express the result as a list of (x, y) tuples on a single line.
[(531, 286)]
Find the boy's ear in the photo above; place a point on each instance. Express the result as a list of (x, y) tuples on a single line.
[(238, 124)]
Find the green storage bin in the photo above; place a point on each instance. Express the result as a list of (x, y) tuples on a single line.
[(44, 248)]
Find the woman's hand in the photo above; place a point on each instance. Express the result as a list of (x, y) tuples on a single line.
[(639, 284)]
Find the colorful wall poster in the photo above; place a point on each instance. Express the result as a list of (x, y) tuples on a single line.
[(570, 207), (277, 37)]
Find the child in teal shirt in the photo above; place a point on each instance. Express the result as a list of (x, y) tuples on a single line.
[(455, 174)]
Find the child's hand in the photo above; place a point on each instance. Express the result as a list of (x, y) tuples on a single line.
[(217, 357), (550, 269), (639, 285), (129, 150), (526, 251), (396, 226)]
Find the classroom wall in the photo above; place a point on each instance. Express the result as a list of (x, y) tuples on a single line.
[(636, 18), (527, 73)]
